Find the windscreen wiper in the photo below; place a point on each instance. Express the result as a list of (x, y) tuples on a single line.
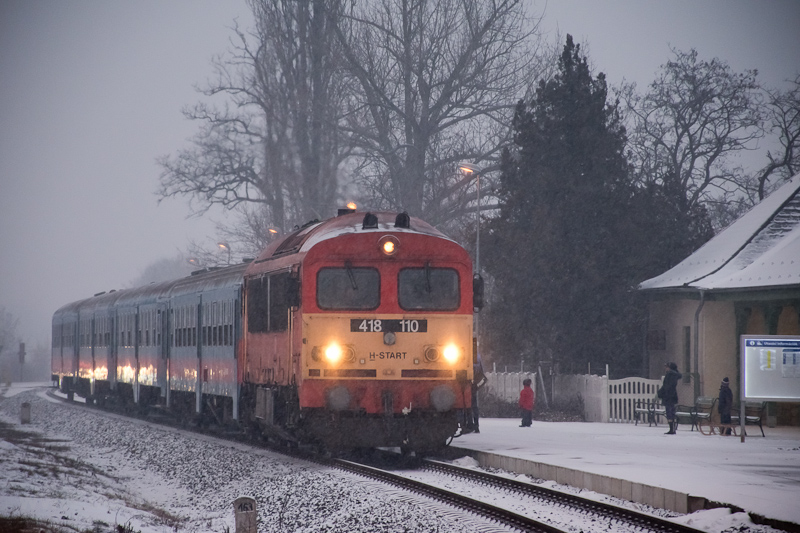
[(428, 277), (350, 275)]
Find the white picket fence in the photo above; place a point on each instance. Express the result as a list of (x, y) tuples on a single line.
[(604, 400), (623, 394)]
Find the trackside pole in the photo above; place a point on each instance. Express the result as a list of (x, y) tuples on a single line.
[(544, 390)]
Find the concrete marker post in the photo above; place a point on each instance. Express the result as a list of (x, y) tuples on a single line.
[(25, 413), (245, 514)]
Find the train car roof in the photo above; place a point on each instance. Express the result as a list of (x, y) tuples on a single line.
[(303, 239), (199, 281), (221, 278), (283, 252)]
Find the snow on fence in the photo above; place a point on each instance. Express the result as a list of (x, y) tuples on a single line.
[(592, 390), (604, 400)]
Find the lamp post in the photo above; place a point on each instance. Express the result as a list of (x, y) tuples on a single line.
[(225, 246), (468, 169)]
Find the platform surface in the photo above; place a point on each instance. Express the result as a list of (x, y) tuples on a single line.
[(760, 475)]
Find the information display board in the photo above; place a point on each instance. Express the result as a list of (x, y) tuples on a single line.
[(771, 367)]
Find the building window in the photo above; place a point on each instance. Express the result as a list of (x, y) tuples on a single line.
[(657, 339)]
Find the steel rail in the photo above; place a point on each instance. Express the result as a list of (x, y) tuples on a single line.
[(644, 521), (498, 514)]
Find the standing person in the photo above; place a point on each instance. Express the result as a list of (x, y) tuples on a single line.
[(527, 399), (669, 395), (478, 381), (724, 403)]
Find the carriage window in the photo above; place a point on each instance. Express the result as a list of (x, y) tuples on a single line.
[(429, 288), (348, 288)]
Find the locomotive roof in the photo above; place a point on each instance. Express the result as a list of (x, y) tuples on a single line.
[(303, 239)]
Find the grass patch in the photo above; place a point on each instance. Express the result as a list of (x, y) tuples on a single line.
[(46, 455), (22, 524), (164, 517)]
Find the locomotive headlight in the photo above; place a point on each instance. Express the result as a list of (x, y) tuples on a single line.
[(451, 353), (333, 353), (388, 244)]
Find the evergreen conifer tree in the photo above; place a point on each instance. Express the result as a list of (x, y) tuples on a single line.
[(561, 253)]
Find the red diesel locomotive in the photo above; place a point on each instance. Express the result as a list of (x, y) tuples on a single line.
[(353, 332)]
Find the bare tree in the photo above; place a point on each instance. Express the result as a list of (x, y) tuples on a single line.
[(436, 84), (276, 142), (695, 116), (245, 239), (783, 121), (8, 328), (9, 343), (163, 270)]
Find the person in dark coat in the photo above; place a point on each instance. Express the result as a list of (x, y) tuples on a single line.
[(669, 395), (527, 399), (478, 381), (724, 403)]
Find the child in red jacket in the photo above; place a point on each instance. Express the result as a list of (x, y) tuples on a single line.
[(527, 399)]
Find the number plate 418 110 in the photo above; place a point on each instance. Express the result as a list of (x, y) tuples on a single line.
[(370, 325)]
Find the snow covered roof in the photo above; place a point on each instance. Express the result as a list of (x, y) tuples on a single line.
[(760, 250)]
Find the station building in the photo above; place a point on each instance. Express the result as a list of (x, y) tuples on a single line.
[(744, 281)]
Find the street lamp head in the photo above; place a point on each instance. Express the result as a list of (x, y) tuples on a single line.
[(469, 168), (226, 247)]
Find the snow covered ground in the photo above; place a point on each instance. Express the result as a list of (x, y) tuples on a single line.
[(91, 473), (155, 480)]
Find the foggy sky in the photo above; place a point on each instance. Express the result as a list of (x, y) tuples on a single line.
[(91, 94)]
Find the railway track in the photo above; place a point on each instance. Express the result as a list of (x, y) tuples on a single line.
[(603, 516), (564, 505)]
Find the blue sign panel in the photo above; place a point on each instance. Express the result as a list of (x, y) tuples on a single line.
[(771, 368)]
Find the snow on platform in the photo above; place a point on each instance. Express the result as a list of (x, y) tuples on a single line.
[(761, 475)]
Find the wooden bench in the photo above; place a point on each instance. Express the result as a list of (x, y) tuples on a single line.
[(684, 414), (651, 409), (698, 414), (703, 410), (716, 428), (753, 415)]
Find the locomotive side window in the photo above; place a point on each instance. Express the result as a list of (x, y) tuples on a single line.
[(257, 305), (279, 302), (348, 288), (268, 301), (428, 288)]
